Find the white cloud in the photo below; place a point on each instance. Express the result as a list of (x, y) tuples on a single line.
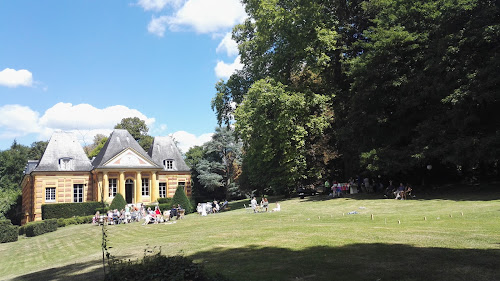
[(66, 116), (83, 119), (228, 45), (13, 78), (203, 16), (158, 25), (224, 70), (17, 120), (187, 140), (157, 5)]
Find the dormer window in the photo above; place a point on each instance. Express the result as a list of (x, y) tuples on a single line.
[(168, 164), (66, 163)]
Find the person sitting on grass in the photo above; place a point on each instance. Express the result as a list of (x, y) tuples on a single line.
[(399, 192), (278, 207), (265, 204), (96, 218), (173, 212), (157, 214), (407, 192)]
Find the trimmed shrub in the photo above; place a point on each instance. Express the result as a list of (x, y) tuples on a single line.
[(118, 202), (159, 267), (68, 210), (61, 222), (40, 227), (22, 230), (70, 221), (181, 198), (8, 232)]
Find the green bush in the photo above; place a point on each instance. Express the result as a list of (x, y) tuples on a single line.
[(40, 227), (181, 198), (61, 222), (8, 232), (118, 202), (70, 221), (22, 230), (68, 210), (159, 267)]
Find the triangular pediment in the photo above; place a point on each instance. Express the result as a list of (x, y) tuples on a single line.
[(129, 158)]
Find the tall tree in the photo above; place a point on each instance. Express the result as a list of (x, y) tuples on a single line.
[(275, 124), (138, 129), (216, 165)]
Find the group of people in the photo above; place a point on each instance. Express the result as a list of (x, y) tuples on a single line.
[(211, 207), (157, 216), (134, 213), (264, 205), (125, 215), (402, 192)]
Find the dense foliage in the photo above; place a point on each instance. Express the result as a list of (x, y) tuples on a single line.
[(180, 198), (68, 210), (118, 202), (216, 166), (159, 267), (8, 232), (338, 88), (12, 164), (36, 228)]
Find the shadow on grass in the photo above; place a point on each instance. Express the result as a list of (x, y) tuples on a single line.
[(91, 270), (353, 262)]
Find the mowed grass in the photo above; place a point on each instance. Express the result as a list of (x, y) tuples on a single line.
[(310, 239)]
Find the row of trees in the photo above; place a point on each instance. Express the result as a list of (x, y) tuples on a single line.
[(336, 88)]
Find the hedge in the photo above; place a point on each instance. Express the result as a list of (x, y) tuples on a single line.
[(8, 232), (68, 210), (62, 222), (40, 227), (167, 201), (163, 207)]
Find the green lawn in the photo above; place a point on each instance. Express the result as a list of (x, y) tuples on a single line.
[(310, 239)]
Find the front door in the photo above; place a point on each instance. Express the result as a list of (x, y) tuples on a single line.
[(129, 191)]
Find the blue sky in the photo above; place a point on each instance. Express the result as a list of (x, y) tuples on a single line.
[(82, 66)]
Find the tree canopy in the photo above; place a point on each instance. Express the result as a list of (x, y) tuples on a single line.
[(337, 88)]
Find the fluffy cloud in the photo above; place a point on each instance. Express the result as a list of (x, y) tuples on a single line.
[(186, 140), (158, 25), (228, 45), (17, 120), (83, 119), (13, 78), (156, 5), (66, 116), (224, 70), (202, 16)]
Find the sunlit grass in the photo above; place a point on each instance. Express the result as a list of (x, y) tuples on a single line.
[(310, 239)]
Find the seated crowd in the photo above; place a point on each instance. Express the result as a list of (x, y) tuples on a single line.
[(135, 214), (211, 207)]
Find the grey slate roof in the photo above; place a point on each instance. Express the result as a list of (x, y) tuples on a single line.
[(164, 148), (30, 166), (119, 141), (63, 145)]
